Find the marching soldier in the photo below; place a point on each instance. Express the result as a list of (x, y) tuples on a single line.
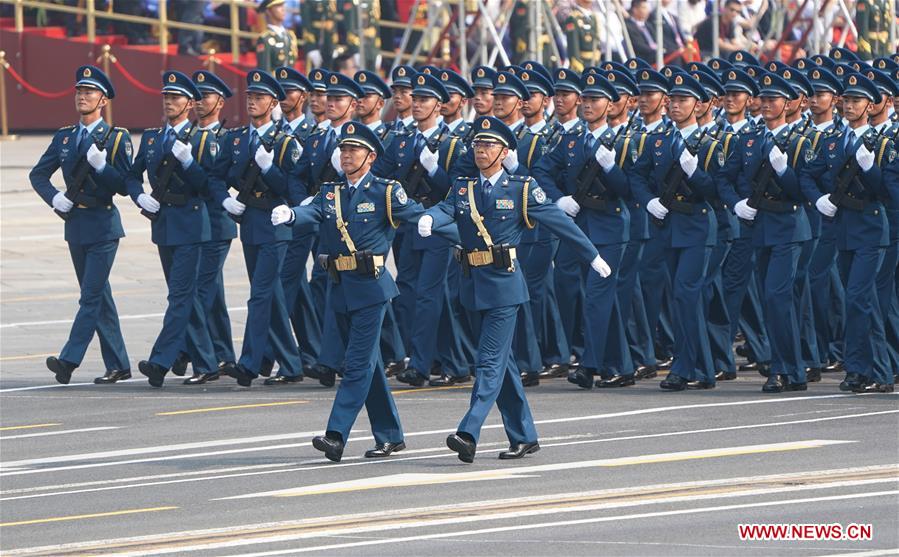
[(849, 170), (180, 224), (277, 46), (370, 106), (355, 216), (94, 159), (318, 99), (258, 161), (566, 104), (491, 211), (459, 94), (582, 33), (319, 32), (482, 83), (401, 87)]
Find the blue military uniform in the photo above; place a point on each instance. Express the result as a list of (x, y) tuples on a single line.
[(507, 204), (179, 228), (862, 235), (92, 228), (355, 222), (264, 245)]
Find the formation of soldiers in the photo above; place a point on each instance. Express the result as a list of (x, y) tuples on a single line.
[(655, 219)]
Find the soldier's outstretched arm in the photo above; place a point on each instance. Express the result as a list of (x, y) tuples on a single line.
[(306, 217), (444, 212), (548, 214)]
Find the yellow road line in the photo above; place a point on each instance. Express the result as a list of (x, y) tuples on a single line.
[(25, 357), (83, 516), (12, 427), (238, 407)]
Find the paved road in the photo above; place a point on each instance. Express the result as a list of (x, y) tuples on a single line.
[(223, 470)]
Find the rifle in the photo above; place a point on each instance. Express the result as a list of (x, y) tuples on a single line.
[(414, 182), (82, 173), (166, 173), (675, 176), (251, 178), (590, 173), (849, 175), (765, 173)]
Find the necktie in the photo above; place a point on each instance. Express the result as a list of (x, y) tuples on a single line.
[(82, 135), (678, 144), (589, 143), (729, 129), (285, 126), (419, 142), (850, 141), (254, 141), (169, 139), (487, 188)]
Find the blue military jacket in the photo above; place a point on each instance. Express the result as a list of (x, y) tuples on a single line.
[(175, 224), (371, 212), (221, 227), (853, 229), (284, 188), (87, 225), (507, 210), (648, 181), (558, 173)]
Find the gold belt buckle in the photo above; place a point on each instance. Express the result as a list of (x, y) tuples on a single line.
[(345, 263), (80, 206), (258, 194), (480, 258)]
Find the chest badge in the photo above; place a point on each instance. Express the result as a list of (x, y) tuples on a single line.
[(506, 204), (236, 141), (365, 208), (462, 191), (658, 143), (329, 196), (65, 140), (749, 143)]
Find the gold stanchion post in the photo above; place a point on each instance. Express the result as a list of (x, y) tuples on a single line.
[(107, 58), (211, 61), (4, 116)]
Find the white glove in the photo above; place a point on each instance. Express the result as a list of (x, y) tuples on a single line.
[(865, 158), (281, 215), (147, 203), (511, 160), (744, 211), (97, 158), (183, 153), (569, 205), (234, 206), (656, 208), (605, 158), (315, 57), (778, 160), (425, 224), (688, 162), (307, 201), (428, 160), (825, 205), (62, 203), (335, 161), (264, 158), (600, 266)]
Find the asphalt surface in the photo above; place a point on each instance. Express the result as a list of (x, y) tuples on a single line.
[(224, 470)]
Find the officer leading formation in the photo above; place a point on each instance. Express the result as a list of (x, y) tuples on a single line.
[(604, 225)]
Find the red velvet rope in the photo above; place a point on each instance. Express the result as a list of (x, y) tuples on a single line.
[(34, 90), (133, 81)]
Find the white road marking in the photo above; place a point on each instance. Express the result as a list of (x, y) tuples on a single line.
[(408, 480), (121, 318), (60, 386), (60, 432)]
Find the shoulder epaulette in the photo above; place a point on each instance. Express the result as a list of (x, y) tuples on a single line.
[(66, 128), (151, 130), (120, 129)]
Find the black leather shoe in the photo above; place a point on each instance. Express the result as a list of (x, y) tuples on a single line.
[(753, 366), (617, 381), (179, 366), (813, 374), (464, 447), (155, 373), (774, 384), (873, 387), (436, 370), (665, 364), (392, 368), (743, 351), (646, 372), (61, 368), (411, 377), (836, 367), (582, 378), (333, 448), (385, 449), (282, 380), (555, 370), (673, 383), (201, 378), (447, 380), (519, 450), (725, 375), (223, 365), (267, 367), (530, 379), (700, 385), (244, 378), (791, 386), (112, 376), (326, 376), (852, 382)]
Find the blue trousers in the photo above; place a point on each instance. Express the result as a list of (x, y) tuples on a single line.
[(864, 326), (633, 311), (212, 310), (570, 280), (718, 320), (808, 339), (776, 266), (655, 279), (180, 265), (433, 337), (827, 299), (364, 382), (537, 264), (889, 303), (96, 308), (691, 340), (466, 318), (408, 266), (268, 322), (298, 296), (602, 318), (741, 297), (497, 380)]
